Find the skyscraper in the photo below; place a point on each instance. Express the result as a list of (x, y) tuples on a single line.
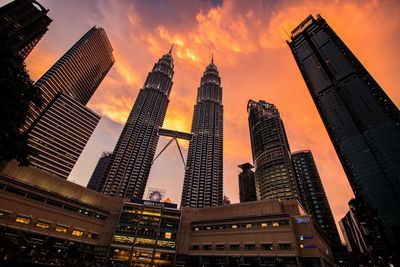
[(77, 73), (60, 129), (99, 171), (202, 186), (129, 167), (362, 121), (22, 24), (271, 153), (313, 196), (247, 184)]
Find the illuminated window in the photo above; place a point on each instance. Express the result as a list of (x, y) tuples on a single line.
[(167, 235), (43, 225), (275, 224), (248, 225), (61, 229), (234, 226), (77, 233), (22, 220), (301, 246), (264, 225), (197, 229), (93, 235)]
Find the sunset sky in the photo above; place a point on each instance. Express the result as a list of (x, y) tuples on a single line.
[(250, 51)]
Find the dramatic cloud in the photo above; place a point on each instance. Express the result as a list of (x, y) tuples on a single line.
[(248, 39)]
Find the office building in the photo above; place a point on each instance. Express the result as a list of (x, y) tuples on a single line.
[(77, 73), (129, 167), (203, 182), (99, 171), (60, 135), (314, 199), (353, 235), (362, 121), (271, 153), (146, 234), (22, 24), (47, 220), (59, 130), (259, 233), (247, 184)]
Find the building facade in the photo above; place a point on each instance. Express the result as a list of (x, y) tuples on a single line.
[(129, 167), (60, 135), (259, 233), (146, 234), (22, 24), (59, 130), (314, 199), (353, 235), (362, 121), (77, 73), (99, 171), (271, 152), (45, 219), (247, 184), (203, 182)]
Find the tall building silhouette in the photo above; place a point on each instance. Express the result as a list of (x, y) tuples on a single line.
[(362, 121), (129, 167), (77, 73), (22, 24), (247, 183), (271, 153), (203, 182), (99, 171), (59, 130), (313, 197)]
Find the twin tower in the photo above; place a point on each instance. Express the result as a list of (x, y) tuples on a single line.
[(129, 167)]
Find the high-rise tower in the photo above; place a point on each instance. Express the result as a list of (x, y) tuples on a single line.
[(362, 121), (271, 153), (22, 24), (77, 73), (202, 185), (60, 129), (99, 171), (130, 163), (247, 184), (314, 199)]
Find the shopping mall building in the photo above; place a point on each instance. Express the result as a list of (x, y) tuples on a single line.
[(45, 219)]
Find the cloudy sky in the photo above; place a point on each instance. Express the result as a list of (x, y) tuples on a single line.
[(248, 42)]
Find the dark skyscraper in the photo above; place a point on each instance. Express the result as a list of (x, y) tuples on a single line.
[(362, 121), (271, 153), (313, 196), (60, 129), (247, 184), (99, 171), (22, 24), (77, 73), (203, 183), (129, 167)]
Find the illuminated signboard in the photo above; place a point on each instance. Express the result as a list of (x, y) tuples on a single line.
[(303, 220), (304, 237)]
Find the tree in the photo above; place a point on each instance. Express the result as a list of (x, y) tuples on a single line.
[(17, 91)]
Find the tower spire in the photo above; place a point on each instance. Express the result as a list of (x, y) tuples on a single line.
[(170, 50), (212, 58)]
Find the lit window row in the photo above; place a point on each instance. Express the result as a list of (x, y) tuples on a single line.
[(235, 247), (268, 224), (57, 228)]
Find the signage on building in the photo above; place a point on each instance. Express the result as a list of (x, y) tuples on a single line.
[(303, 219)]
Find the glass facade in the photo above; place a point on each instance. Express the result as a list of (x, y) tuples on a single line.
[(146, 234), (362, 121), (271, 153)]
